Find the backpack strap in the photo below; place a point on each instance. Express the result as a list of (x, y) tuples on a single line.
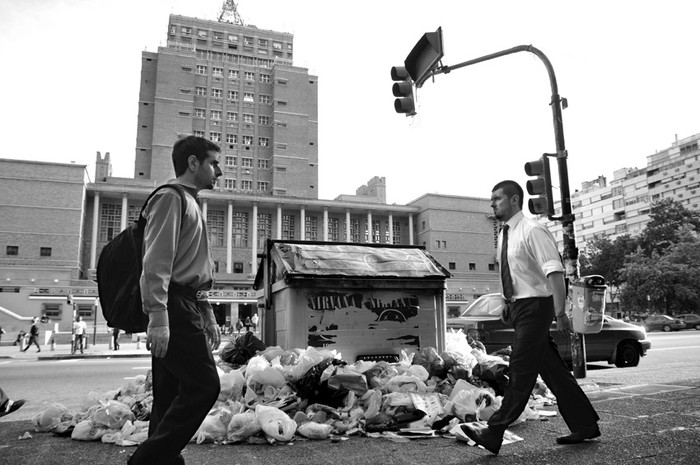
[(183, 203)]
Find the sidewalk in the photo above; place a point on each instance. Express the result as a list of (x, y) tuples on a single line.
[(63, 351)]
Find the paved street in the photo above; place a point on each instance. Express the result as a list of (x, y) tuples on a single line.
[(655, 423)]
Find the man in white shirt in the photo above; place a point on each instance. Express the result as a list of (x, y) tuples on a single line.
[(532, 279)]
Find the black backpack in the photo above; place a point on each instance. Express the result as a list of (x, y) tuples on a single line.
[(119, 271)]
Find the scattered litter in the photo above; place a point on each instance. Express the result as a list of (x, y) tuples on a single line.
[(26, 435)]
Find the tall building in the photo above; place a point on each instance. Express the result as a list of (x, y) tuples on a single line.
[(235, 85), (623, 205)]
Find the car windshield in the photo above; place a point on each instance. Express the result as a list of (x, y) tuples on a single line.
[(486, 305)]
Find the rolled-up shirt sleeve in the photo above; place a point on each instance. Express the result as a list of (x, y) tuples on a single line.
[(163, 218), (544, 249)]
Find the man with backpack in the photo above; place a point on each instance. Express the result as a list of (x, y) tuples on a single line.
[(182, 330)]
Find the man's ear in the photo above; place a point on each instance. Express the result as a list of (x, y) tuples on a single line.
[(192, 162)]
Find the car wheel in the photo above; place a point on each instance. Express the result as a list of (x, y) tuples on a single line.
[(666, 328), (627, 355), (697, 326)]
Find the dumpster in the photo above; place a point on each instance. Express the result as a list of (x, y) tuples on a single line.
[(588, 304), (366, 301)]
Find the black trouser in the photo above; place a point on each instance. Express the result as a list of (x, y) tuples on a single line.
[(535, 352), (32, 340), (185, 384)]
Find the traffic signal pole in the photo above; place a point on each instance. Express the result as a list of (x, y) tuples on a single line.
[(570, 255)]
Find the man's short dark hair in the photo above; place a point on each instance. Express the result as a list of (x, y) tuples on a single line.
[(191, 145), (510, 188)]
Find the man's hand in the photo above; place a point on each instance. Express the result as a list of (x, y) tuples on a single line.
[(564, 324), (157, 340), (213, 336)]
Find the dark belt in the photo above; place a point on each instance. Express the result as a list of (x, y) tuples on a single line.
[(185, 291)]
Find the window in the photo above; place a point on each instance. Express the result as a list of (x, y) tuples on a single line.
[(397, 232), (216, 93), (233, 74), (452, 266), (12, 250), (198, 133), (492, 267), (472, 267), (186, 30), (239, 228), (52, 310), (249, 76), (248, 119), (216, 115), (376, 235), (200, 113), (246, 185), (265, 77), (232, 95), (232, 139), (45, 252), (263, 186), (201, 69), (202, 33), (263, 164), (276, 45), (217, 72), (84, 311), (247, 162), (249, 97), (311, 228), (288, 226), (334, 229), (230, 161), (265, 99), (354, 230), (229, 184), (238, 267), (110, 221), (202, 91), (231, 116), (247, 140), (263, 141), (264, 120), (215, 136), (264, 228)]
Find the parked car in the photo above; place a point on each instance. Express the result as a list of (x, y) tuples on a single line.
[(663, 323), (618, 343), (691, 320)]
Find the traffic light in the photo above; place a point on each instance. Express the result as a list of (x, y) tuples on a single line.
[(542, 186), (403, 90)]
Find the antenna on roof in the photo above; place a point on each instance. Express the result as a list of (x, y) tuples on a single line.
[(230, 10)]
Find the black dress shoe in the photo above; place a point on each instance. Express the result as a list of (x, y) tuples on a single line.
[(577, 437), (484, 437), (12, 406)]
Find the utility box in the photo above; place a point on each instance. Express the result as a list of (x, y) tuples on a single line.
[(363, 300), (588, 304)]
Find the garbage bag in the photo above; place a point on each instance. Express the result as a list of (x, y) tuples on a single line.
[(213, 428), (242, 426), (307, 360), (311, 388), (381, 422), (494, 371), (88, 430), (380, 373), (52, 416), (349, 379), (275, 423), (429, 359), (232, 384), (314, 430), (241, 350), (113, 415)]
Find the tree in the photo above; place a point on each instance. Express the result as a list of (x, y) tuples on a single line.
[(670, 223), (607, 258)]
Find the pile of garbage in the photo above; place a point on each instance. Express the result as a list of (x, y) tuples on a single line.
[(271, 395)]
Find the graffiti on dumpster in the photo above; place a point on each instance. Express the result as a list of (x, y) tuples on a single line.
[(334, 316)]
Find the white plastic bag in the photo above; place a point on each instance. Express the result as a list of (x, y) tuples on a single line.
[(231, 385), (275, 423), (242, 426), (113, 415), (49, 418), (314, 430), (87, 430)]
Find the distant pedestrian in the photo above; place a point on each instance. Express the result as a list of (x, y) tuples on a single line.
[(239, 326), (254, 320), (2, 331), (33, 336), (8, 405), (79, 330), (247, 324), (115, 338)]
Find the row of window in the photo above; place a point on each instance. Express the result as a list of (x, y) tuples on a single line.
[(230, 37), (232, 95), (246, 185), (231, 139), (230, 161), (13, 250), (231, 116), (219, 72)]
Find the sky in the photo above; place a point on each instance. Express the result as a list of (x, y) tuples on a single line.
[(628, 69)]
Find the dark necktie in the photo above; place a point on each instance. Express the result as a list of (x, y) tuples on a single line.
[(505, 269)]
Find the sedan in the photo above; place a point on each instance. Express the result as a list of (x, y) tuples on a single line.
[(663, 323), (691, 320), (618, 343)]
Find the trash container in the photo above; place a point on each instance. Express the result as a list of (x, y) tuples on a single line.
[(359, 299), (588, 304)]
